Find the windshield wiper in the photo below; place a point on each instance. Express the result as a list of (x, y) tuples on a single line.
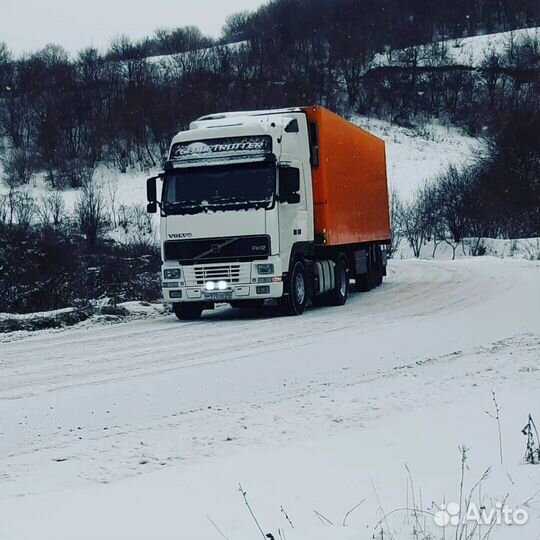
[(183, 207), (238, 202)]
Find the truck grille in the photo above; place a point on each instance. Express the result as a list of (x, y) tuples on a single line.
[(233, 249), (231, 273)]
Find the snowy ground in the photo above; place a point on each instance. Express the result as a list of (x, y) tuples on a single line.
[(145, 429)]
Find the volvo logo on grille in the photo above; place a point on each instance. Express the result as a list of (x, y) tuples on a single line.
[(215, 248), (181, 235)]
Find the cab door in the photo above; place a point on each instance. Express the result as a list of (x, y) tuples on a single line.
[(292, 209)]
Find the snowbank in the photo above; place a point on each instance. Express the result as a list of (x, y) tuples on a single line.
[(519, 248)]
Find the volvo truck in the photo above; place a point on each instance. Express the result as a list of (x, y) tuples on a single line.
[(289, 205)]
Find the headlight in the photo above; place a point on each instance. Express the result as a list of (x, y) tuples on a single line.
[(267, 268), (172, 273)]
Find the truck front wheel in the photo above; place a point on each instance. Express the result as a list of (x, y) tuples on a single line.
[(187, 311), (295, 302)]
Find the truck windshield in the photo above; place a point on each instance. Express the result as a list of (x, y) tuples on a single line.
[(219, 187)]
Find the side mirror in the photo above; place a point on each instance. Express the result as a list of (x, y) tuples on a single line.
[(293, 198), (151, 207), (289, 185), (151, 190)]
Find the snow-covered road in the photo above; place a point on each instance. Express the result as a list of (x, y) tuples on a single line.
[(145, 428)]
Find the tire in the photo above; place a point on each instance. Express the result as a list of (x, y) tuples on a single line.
[(380, 268), (188, 311), (338, 296), (294, 303), (373, 277), (364, 282)]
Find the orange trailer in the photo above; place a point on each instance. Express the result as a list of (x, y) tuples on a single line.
[(350, 193)]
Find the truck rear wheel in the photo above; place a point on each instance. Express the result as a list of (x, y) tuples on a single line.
[(339, 294), (188, 311), (295, 302)]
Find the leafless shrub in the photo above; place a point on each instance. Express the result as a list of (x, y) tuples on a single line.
[(52, 209), (90, 213), (136, 224), (24, 208), (497, 416), (72, 173), (532, 452), (532, 249), (18, 167), (110, 180), (395, 225), (4, 212), (414, 222)]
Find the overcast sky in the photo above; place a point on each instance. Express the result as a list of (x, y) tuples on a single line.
[(28, 25)]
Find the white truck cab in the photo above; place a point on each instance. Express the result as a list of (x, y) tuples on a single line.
[(227, 228)]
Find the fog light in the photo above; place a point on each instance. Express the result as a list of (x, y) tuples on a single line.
[(221, 285), (175, 294), (210, 285), (263, 289)]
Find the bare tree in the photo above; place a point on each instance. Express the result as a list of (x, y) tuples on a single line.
[(24, 209), (414, 222), (52, 208), (90, 213), (396, 209), (18, 167)]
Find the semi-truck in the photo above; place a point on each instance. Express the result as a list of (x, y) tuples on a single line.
[(289, 205)]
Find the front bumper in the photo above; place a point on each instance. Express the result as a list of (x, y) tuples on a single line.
[(239, 281)]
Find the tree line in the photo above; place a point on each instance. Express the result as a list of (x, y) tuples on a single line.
[(62, 115)]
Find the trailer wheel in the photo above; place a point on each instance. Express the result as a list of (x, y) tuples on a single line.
[(373, 277), (364, 282), (295, 302), (380, 269), (339, 294), (188, 311)]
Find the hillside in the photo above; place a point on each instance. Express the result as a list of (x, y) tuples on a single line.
[(469, 51)]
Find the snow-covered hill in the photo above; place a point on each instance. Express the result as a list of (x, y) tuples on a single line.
[(414, 156), (470, 51)]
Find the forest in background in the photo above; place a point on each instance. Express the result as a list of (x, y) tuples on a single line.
[(62, 115)]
